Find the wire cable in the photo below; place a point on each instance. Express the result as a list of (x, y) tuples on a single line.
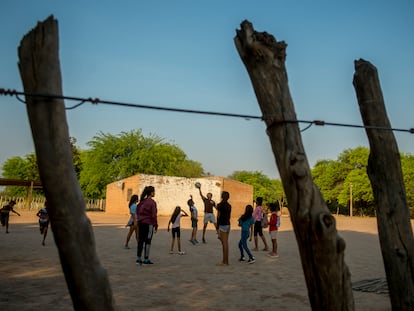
[(95, 101)]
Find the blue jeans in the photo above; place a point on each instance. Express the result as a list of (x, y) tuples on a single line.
[(243, 244)]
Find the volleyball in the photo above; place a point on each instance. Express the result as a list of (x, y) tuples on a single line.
[(197, 185)]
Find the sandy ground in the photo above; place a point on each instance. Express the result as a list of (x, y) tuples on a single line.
[(31, 277)]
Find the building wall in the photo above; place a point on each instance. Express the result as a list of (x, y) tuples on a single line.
[(118, 194), (171, 191), (241, 194)]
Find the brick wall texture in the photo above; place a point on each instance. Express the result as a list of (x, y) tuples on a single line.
[(171, 191)]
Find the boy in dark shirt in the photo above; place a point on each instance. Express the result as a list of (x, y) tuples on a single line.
[(5, 214)]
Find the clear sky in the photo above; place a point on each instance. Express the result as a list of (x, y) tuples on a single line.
[(181, 54)]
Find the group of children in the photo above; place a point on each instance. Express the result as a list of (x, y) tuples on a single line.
[(146, 215), (222, 225), (251, 226), (250, 223), (41, 214)]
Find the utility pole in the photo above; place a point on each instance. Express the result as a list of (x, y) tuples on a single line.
[(350, 199)]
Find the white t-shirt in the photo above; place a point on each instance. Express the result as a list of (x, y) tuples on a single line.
[(176, 223)]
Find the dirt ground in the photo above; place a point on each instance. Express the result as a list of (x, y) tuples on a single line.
[(31, 277)]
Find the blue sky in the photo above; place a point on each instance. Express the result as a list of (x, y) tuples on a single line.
[(181, 54)]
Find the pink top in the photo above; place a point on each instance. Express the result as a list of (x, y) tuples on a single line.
[(258, 213)]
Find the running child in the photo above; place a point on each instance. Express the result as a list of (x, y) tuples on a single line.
[(43, 222), (5, 214)]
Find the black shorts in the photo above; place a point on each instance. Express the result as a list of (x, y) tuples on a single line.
[(44, 224), (258, 230), (4, 218), (176, 232)]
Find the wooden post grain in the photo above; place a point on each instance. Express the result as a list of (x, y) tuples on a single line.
[(384, 171), (320, 247), (39, 68)]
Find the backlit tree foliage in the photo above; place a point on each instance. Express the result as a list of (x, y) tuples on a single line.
[(270, 189), (336, 180), (113, 157)]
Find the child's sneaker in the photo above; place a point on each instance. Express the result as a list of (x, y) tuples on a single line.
[(242, 259), (251, 260), (181, 253), (148, 262)]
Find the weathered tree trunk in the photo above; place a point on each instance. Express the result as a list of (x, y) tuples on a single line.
[(321, 249), (384, 170), (40, 71)]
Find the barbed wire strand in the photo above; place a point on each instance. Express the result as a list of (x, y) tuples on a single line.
[(95, 101)]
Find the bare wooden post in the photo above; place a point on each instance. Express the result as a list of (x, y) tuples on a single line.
[(40, 72), (384, 170), (321, 249)]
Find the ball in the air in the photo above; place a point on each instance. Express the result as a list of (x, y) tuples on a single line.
[(197, 185)]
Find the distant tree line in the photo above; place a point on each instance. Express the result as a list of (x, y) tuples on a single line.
[(346, 178), (113, 157), (110, 158)]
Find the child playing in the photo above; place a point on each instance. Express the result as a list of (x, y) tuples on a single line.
[(132, 222), (43, 222), (258, 229), (5, 214), (175, 221), (274, 224), (223, 223), (246, 222), (194, 220)]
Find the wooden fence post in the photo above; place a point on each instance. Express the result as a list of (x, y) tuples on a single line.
[(384, 171), (39, 68), (321, 248)]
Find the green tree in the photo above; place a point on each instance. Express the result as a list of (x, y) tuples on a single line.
[(334, 179), (329, 176), (362, 195), (22, 169), (76, 153), (356, 158), (407, 165), (26, 169), (270, 189), (113, 157)]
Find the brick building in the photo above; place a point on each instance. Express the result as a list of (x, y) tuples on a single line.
[(171, 191)]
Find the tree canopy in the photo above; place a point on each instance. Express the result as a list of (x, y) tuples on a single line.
[(25, 168), (270, 189), (335, 180), (22, 168), (113, 157)]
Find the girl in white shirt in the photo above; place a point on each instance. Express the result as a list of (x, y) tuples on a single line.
[(175, 221)]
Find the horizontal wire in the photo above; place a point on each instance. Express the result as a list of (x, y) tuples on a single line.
[(99, 101), (96, 101)]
